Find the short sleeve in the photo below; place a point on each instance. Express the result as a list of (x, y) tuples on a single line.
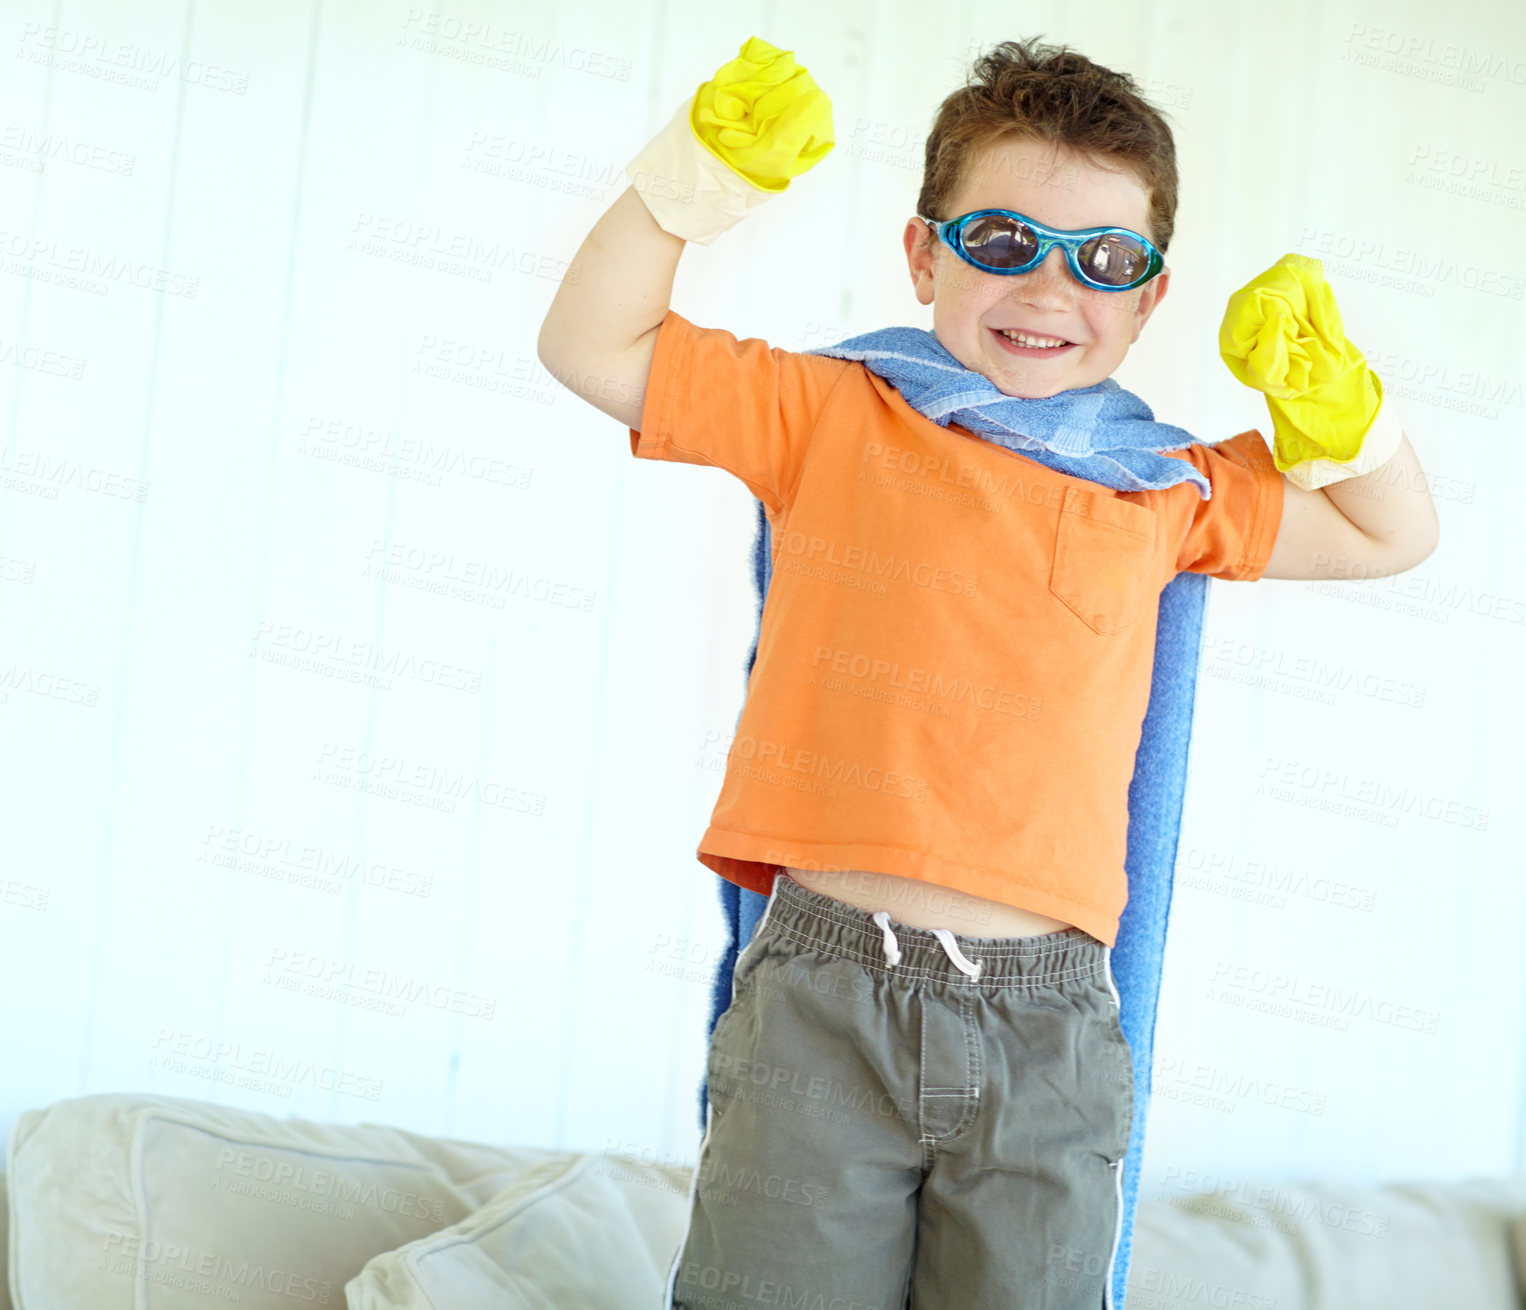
[(1231, 535), (740, 405)]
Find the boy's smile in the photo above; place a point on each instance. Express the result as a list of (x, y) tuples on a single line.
[(977, 314)]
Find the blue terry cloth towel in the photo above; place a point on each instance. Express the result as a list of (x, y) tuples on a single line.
[(1107, 435)]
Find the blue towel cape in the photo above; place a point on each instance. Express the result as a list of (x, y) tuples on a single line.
[(1104, 434)]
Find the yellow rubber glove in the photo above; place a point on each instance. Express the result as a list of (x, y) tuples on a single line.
[(1282, 335), (763, 116), (736, 142)]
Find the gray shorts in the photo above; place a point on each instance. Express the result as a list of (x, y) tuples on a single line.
[(905, 1117)]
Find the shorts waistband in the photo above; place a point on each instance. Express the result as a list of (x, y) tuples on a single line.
[(897, 950)]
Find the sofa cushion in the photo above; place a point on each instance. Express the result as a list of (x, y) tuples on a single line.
[(1324, 1245), (598, 1232), (601, 1233), (215, 1203)]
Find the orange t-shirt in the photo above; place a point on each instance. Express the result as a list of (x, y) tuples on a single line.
[(956, 650)]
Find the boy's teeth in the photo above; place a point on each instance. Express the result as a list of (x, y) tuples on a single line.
[(1023, 339)]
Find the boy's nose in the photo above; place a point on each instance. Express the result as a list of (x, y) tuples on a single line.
[(1048, 284)]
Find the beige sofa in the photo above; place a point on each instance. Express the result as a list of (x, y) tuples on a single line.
[(133, 1202)]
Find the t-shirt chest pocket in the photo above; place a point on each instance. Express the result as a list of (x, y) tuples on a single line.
[(1104, 559)]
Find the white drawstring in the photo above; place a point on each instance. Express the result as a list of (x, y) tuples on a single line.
[(955, 954), (944, 936)]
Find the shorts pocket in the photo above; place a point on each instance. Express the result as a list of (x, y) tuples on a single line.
[(1104, 559), (1121, 1044), (1124, 1088), (748, 959)]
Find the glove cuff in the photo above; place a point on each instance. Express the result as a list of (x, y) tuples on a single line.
[(1378, 447), (690, 192)]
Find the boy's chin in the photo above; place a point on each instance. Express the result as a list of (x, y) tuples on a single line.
[(1027, 391), (1020, 388)]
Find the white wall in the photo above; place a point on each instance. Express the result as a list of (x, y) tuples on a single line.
[(303, 552)]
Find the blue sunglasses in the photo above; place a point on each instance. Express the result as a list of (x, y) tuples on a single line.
[(1004, 241)]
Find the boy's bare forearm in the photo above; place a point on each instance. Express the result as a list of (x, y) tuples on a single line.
[(599, 334)]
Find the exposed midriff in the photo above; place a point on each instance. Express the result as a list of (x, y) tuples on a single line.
[(925, 905)]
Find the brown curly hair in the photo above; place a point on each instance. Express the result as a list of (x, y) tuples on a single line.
[(1025, 90)]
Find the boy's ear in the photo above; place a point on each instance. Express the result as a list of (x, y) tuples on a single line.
[(1154, 292), (919, 259)]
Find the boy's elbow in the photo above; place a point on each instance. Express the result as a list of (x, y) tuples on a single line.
[(1429, 549), (547, 344), (554, 349), (1423, 542), (545, 352), (1419, 549)]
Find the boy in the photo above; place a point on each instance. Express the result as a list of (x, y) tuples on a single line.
[(952, 671)]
